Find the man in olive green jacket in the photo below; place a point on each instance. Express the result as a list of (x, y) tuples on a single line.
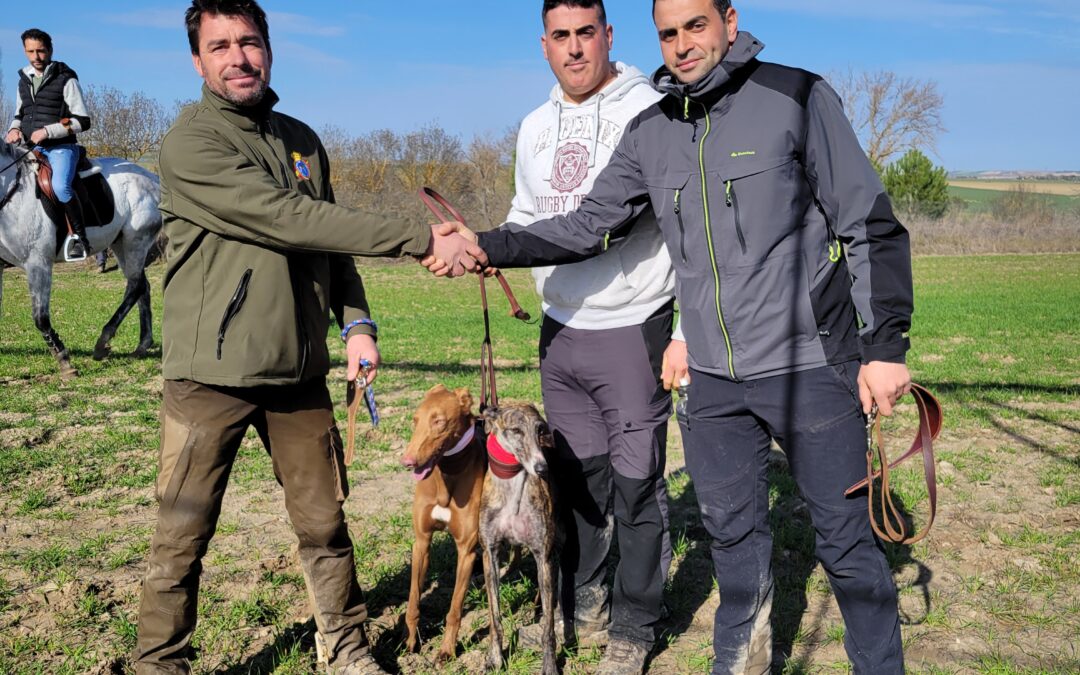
[(258, 257)]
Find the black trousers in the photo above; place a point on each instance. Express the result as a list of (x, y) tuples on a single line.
[(816, 417)]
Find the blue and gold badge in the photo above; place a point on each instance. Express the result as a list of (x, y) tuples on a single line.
[(300, 167)]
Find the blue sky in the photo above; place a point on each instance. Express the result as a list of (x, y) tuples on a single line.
[(1009, 71)]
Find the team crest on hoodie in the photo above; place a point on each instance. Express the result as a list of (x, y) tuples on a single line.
[(571, 167)]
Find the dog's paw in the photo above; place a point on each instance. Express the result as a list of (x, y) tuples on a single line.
[(443, 657), (412, 645)]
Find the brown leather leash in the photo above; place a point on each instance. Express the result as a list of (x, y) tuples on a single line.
[(488, 394), (930, 421)]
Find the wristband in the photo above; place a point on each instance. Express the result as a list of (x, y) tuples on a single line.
[(353, 324)]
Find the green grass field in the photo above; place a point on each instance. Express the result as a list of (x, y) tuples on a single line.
[(981, 200), (995, 589)]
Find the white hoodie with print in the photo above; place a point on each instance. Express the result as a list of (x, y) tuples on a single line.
[(561, 148)]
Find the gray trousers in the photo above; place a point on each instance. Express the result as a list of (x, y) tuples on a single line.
[(201, 431), (608, 413)]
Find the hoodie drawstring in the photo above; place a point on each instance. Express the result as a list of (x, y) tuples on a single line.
[(596, 131), (558, 132)]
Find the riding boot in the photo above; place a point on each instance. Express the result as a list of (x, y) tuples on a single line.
[(74, 215)]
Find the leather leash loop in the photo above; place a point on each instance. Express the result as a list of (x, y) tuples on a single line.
[(488, 394), (433, 201), (930, 423)]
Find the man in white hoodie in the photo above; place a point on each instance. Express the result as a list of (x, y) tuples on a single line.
[(607, 322)]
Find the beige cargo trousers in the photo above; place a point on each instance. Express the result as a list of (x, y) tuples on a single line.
[(201, 430)]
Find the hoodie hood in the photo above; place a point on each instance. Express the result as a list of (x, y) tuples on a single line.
[(745, 49), (626, 78)]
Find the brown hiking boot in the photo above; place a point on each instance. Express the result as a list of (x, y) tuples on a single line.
[(365, 665), (623, 658)]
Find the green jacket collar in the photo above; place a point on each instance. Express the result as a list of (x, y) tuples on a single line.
[(245, 118)]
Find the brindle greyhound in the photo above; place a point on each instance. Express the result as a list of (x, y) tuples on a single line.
[(446, 454), (517, 507)]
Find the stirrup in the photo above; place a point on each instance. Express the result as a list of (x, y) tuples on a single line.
[(74, 251)]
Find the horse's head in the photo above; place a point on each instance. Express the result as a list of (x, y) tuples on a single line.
[(10, 154)]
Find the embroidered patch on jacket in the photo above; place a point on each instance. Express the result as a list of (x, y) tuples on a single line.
[(301, 167), (571, 167)]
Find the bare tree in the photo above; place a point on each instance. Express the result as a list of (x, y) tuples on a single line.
[(6, 104), (891, 114), (123, 125), (491, 177)]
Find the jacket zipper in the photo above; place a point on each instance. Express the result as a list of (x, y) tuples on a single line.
[(286, 182), (732, 201), (709, 239), (682, 229), (232, 309)]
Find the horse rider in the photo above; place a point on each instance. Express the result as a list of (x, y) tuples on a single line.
[(49, 113)]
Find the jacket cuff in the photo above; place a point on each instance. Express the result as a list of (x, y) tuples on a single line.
[(57, 130), (15, 124), (354, 314), (420, 241), (677, 334), (889, 352)]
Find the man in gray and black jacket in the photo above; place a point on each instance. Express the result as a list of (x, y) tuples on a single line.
[(794, 287)]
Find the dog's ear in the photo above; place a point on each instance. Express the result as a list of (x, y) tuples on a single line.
[(464, 398), (489, 415), (544, 438)]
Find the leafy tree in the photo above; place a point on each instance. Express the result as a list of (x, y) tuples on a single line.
[(916, 186)]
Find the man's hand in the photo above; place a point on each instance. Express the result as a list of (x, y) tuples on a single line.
[(14, 136), (359, 347), (675, 368), (883, 383), (453, 251), (38, 136)]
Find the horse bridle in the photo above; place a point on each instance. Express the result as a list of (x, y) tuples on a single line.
[(18, 175)]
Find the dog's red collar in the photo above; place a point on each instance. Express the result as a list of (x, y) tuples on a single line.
[(503, 464)]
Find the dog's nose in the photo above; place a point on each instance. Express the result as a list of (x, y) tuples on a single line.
[(408, 461), (541, 469)]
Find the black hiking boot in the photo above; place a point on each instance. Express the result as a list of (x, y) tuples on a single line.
[(79, 249), (623, 658)]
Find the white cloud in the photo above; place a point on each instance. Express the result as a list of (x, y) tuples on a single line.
[(287, 51), (912, 10), (286, 23), (172, 19)]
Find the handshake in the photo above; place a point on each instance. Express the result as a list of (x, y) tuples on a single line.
[(453, 251)]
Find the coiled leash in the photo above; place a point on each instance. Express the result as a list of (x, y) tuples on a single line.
[(930, 421), (488, 394)]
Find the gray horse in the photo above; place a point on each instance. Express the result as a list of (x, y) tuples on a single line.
[(28, 240)]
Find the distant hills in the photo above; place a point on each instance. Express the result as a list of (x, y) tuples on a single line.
[(1016, 175)]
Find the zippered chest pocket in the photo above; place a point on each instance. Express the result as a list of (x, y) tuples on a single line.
[(236, 302), (673, 208), (764, 201)]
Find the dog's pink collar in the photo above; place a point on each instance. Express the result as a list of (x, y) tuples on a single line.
[(463, 443), (503, 464)]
